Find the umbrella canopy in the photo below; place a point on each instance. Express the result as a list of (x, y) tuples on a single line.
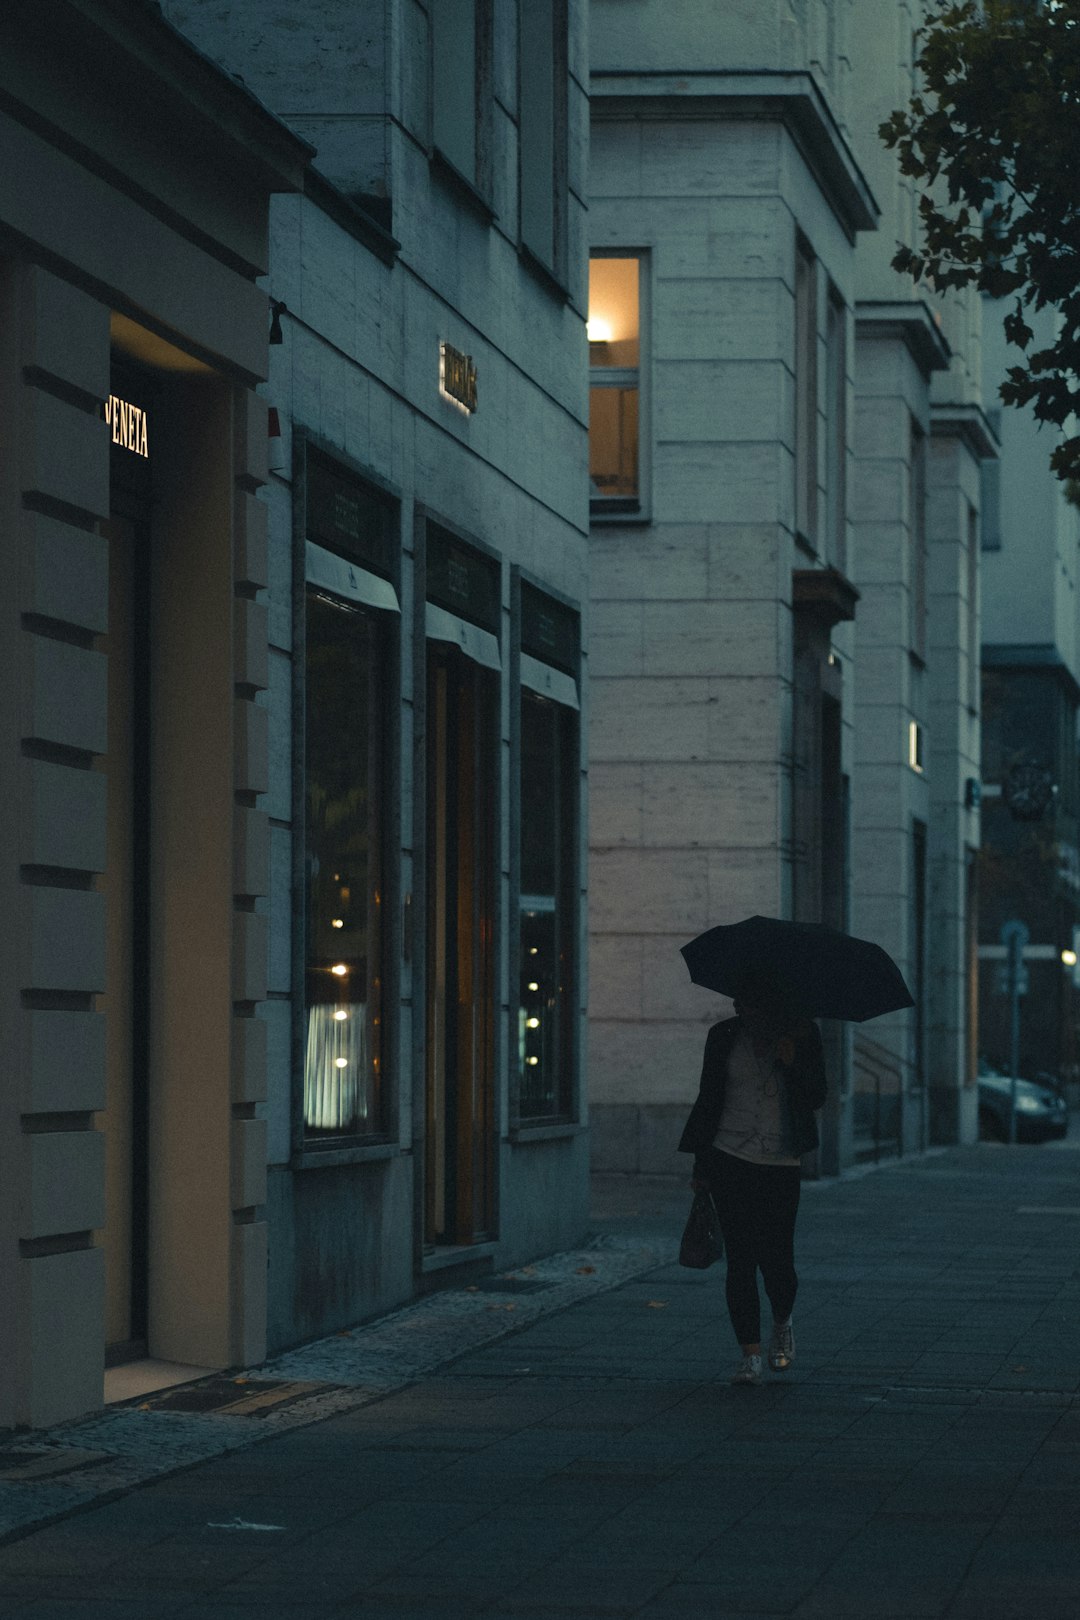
[(824, 972)]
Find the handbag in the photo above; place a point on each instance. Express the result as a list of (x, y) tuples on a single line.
[(702, 1243)]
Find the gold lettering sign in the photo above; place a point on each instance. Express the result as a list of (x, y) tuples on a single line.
[(457, 377), (128, 424)]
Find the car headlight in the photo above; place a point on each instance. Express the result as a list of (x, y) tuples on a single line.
[(1029, 1105)]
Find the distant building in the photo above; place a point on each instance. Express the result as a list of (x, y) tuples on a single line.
[(783, 557), (1030, 863)]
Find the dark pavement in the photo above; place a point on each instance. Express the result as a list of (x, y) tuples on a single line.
[(922, 1458)]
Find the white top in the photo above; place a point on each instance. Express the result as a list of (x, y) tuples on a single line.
[(755, 1123)]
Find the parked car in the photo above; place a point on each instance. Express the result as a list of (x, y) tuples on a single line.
[(1041, 1113)]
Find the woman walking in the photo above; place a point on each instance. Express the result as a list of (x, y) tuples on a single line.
[(762, 1078)]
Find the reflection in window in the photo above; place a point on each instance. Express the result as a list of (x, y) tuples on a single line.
[(614, 331), (545, 1002), (342, 1091)]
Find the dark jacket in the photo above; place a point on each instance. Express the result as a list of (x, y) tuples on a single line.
[(804, 1085)]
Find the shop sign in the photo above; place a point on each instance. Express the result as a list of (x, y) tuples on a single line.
[(128, 425), (348, 516), (457, 377), (549, 629), (462, 581)]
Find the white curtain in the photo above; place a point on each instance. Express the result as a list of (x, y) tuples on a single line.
[(335, 1068)]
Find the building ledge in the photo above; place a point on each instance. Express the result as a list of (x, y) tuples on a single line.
[(825, 593), (351, 216), (907, 321), (790, 98), (1028, 656), (967, 422)]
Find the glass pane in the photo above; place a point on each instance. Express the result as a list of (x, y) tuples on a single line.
[(462, 727), (614, 315), (613, 442), (344, 726), (544, 1002)]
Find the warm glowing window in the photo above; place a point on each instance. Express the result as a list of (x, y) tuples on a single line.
[(614, 332)]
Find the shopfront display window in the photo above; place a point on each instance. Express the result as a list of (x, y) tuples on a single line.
[(614, 331), (545, 909), (345, 724)]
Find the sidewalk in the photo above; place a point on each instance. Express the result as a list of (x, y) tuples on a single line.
[(922, 1459)]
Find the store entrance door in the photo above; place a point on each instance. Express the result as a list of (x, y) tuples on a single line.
[(461, 845), (125, 885)]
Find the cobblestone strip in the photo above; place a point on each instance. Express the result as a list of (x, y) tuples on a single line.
[(136, 1443)]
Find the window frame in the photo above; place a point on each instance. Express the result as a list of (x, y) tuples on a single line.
[(836, 428), (477, 186), (919, 606), (614, 508), (807, 446), (566, 1119), (307, 1152), (554, 264)]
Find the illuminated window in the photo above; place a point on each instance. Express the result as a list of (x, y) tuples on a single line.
[(915, 746), (614, 332)]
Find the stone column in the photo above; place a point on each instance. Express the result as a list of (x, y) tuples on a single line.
[(54, 492)]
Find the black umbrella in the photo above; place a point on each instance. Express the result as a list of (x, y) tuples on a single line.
[(824, 972)]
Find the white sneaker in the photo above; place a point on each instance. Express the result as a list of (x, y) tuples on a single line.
[(782, 1346), (749, 1371)]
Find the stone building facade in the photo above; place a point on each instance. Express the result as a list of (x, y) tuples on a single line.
[(1030, 866), (427, 624), (132, 643), (294, 698), (920, 436), (781, 545)]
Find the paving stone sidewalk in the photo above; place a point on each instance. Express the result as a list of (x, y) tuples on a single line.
[(922, 1459)]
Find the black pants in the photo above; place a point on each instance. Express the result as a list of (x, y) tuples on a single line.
[(757, 1205)]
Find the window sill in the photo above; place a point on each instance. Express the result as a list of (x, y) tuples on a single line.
[(460, 183), (544, 274), (457, 1254), (616, 511), (545, 1133), (359, 1153)]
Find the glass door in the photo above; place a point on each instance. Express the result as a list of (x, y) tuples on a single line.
[(461, 802)]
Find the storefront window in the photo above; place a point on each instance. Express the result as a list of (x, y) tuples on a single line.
[(546, 956), (344, 752), (614, 331)]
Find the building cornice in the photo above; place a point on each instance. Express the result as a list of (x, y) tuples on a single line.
[(152, 49), (825, 593), (1030, 656), (910, 322), (790, 98), (967, 422)]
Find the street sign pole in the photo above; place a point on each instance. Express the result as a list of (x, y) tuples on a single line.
[(1014, 936), (1015, 963)]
